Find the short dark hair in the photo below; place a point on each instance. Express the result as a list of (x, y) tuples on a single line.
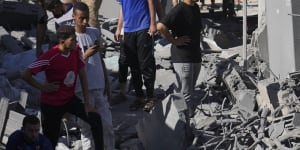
[(51, 4), (80, 6), (64, 32), (30, 119)]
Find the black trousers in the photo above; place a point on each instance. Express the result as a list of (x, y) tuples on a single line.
[(123, 64), (228, 8), (52, 115), (138, 49)]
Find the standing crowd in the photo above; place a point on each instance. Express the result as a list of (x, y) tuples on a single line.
[(76, 78)]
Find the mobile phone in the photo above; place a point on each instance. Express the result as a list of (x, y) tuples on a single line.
[(96, 42)]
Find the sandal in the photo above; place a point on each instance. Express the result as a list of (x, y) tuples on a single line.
[(138, 103), (149, 106)]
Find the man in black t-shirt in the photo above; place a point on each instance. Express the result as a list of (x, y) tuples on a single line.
[(184, 21)]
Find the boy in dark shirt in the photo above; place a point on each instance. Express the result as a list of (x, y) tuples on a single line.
[(184, 21)]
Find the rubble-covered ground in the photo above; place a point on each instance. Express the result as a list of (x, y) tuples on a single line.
[(236, 107)]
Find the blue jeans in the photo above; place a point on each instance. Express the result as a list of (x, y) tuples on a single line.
[(187, 75)]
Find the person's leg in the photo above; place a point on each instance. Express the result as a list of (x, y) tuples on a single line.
[(76, 107), (51, 121), (146, 60), (231, 11), (224, 8), (185, 73), (122, 74), (202, 2), (87, 140), (213, 3), (100, 103), (102, 107), (130, 51), (123, 69)]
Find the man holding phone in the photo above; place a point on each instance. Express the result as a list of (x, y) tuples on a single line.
[(89, 40)]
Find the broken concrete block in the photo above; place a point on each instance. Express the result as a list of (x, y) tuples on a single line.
[(164, 127), (163, 52), (247, 99), (267, 94), (229, 53), (164, 78), (29, 41), (108, 34), (23, 98), (4, 102), (10, 43), (14, 122), (284, 97), (212, 44), (17, 16), (112, 63)]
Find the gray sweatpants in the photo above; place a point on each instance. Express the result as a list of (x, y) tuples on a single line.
[(187, 75)]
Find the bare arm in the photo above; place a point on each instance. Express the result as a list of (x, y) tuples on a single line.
[(120, 25), (41, 27), (90, 52), (152, 11), (40, 34)]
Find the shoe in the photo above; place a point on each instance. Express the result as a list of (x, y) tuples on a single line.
[(117, 99), (138, 103)]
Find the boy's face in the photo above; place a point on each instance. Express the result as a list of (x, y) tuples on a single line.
[(31, 132), (70, 43), (81, 18)]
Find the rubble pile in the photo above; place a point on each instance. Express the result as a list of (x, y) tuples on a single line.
[(235, 107)]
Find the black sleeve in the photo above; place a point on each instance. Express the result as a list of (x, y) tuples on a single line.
[(170, 19)]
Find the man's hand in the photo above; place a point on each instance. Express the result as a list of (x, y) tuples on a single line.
[(50, 87), (90, 51), (152, 30), (118, 35), (89, 108)]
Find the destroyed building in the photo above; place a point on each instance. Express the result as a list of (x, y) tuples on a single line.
[(246, 95)]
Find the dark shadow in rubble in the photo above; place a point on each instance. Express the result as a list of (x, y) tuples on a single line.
[(227, 32)]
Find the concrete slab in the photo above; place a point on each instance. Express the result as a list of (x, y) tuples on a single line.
[(163, 128), (267, 96)]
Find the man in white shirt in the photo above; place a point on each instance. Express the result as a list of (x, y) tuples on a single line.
[(89, 41)]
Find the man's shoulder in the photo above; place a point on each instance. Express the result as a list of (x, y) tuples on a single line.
[(15, 136), (16, 133), (92, 31), (50, 54)]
